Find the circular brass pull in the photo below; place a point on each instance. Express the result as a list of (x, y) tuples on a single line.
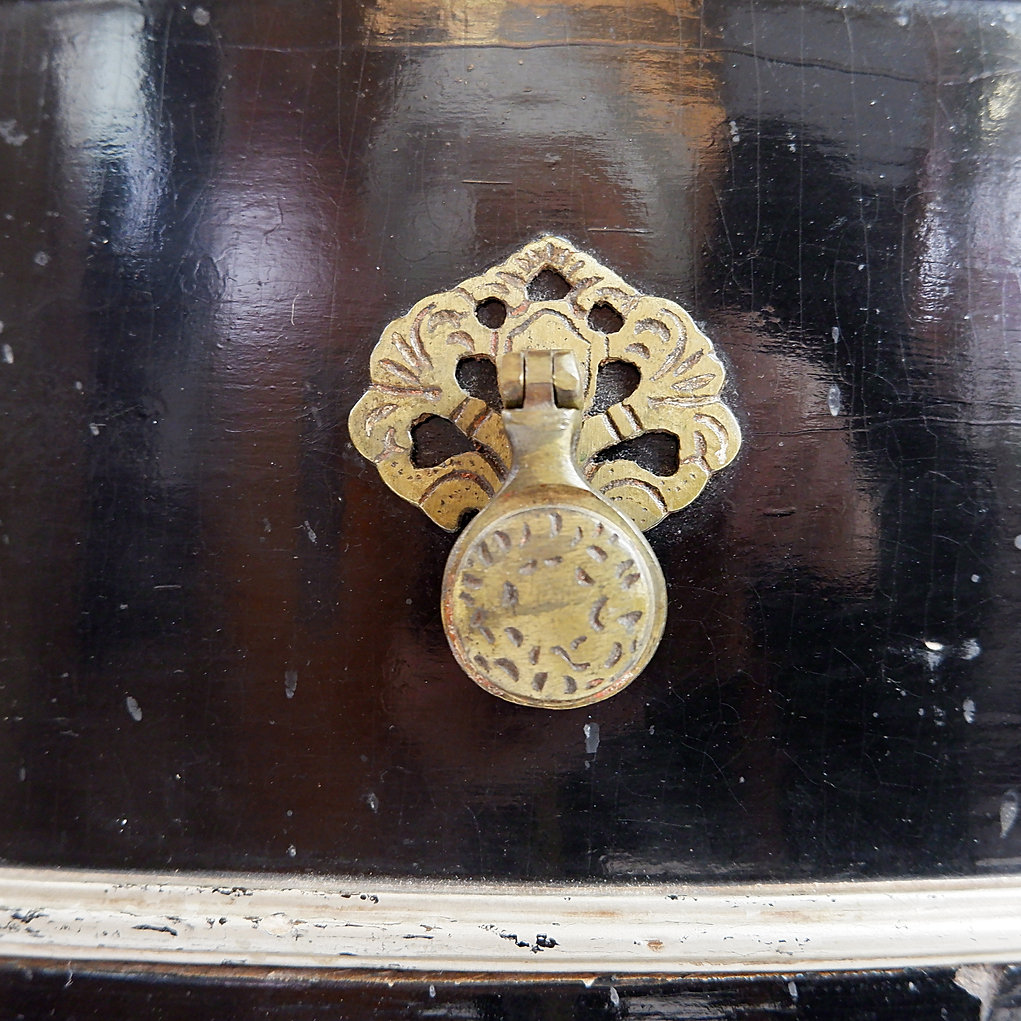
[(552, 597)]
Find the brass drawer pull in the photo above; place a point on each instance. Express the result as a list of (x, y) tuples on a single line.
[(552, 596)]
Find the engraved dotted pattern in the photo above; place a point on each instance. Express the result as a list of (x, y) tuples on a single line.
[(551, 605)]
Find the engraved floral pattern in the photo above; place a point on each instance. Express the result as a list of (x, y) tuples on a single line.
[(413, 371), (552, 607)]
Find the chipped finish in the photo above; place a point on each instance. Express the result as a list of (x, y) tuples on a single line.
[(88, 918)]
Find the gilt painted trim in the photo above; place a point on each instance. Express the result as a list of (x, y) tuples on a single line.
[(284, 922)]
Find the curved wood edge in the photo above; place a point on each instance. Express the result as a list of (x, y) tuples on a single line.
[(356, 925)]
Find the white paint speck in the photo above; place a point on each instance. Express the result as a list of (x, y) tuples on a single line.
[(968, 709), (291, 851), (94, 428), (591, 731), (41, 259), (372, 801), (835, 334), (983, 981), (432, 991), (1017, 542), (933, 646), (200, 16), (290, 682), (11, 135), (792, 989), (976, 578), (833, 401), (970, 649), (134, 709), (1008, 812), (614, 997), (78, 385), (735, 135), (8, 354), (310, 532)]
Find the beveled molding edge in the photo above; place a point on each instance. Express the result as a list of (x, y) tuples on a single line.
[(188, 920)]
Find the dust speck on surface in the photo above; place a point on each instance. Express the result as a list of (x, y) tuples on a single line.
[(291, 851), (976, 578), (970, 649), (310, 532), (7, 352), (1008, 812), (11, 134), (94, 428), (792, 989), (290, 682), (1017, 541), (591, 731), (41, 259), (968, 710), (614, 997), (134, 709), (432, 992), (833, 401), (372, 801), (934, 654), (200, 16)]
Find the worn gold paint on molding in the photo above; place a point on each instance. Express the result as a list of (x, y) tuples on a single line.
[(92, 920)]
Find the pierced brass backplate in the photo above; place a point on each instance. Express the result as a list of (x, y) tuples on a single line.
[(552, 597)]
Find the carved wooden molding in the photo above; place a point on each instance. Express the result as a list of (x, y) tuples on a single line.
[(83, 919)]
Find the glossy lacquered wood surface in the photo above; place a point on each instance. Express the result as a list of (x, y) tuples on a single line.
[(221, 645), (917, 996)]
